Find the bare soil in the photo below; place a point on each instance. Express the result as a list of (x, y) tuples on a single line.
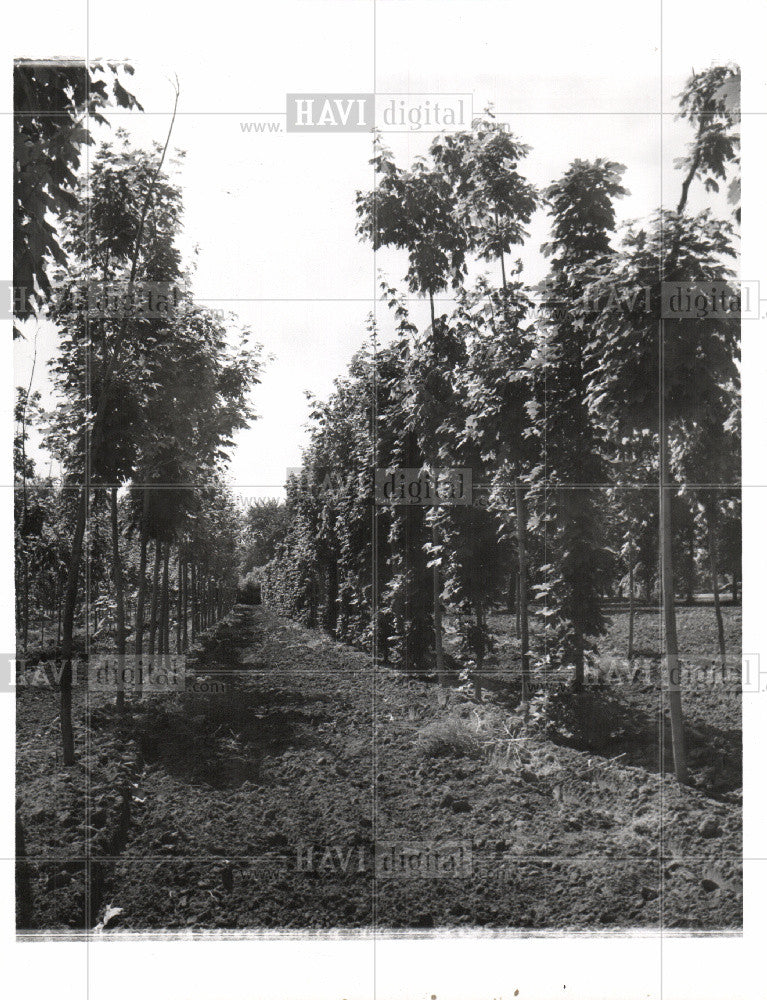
[(276, 793)]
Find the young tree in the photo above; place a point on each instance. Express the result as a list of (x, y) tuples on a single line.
[(494, 203), (698, 360), (581, 206), (415, 210)]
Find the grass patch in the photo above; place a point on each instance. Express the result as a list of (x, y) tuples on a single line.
[(448, 738)]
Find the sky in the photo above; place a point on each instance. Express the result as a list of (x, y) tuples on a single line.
[(270, 216)]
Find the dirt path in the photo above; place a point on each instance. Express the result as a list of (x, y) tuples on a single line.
[(264, 799)]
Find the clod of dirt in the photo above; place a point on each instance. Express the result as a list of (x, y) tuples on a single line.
[(709, 827)]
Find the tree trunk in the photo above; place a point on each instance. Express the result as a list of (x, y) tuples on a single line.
[(578, 677), (163, 641), (437, 585), (631, 602), (521, 514), (691, 562), (180, 600), (194, 601), (26, 604), (70, 599), (669, 617), (138, 647), (185, 630), (153, 602), (117, 578), (480, 650), (713, 555)]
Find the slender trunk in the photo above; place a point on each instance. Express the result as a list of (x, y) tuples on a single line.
[(713, 555), (631, 602), (579, 663), (194, 601), (437, 594), (26, 604), (70, 600), (436, 584), (522, 587), (691, 562), (163, 644), (179, 600), (669, 617), (58, 616), (141, 596), (117, 578), (480, 650), (518, 609), (185, 636), (153, 602)]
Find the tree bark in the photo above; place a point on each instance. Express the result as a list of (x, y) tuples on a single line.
[(180, 600), (521, 514), (194, 601), (185, 628), (117, 578), (164, 644), (153, 601), (480, 650), (437, 588), (141, 596), (713, 555), (70, 600), (669, 617), (631, 602), (691, 561)]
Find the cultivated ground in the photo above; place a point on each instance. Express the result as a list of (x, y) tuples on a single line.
[(267, 798)]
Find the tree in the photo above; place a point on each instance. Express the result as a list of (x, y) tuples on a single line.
[(581, 205), (53, 104), (494, 203), (415, 210), (625, 356), (266, 524), (113, 234)]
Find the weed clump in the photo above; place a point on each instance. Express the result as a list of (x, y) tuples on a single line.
[(448, 738)]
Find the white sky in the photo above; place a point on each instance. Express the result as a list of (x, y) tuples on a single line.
[(273, 214)]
